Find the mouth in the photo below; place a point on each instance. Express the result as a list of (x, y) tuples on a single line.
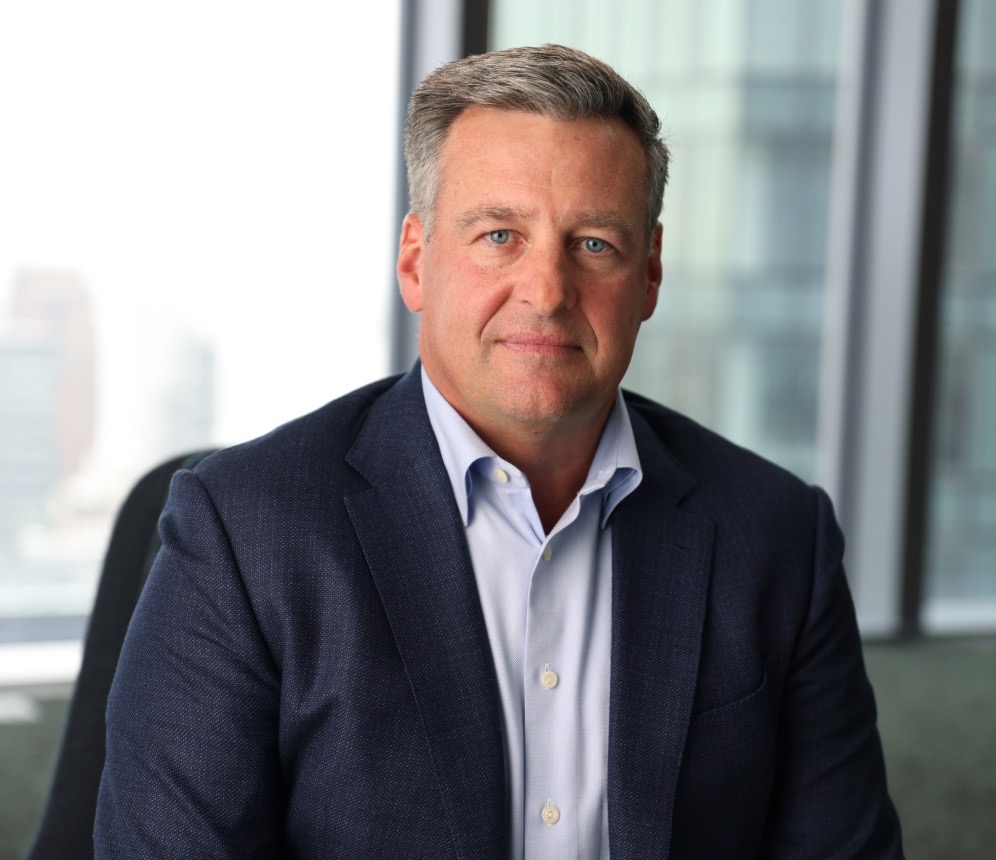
[(535, 343)]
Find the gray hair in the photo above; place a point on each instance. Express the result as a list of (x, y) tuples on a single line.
[(553, 81)]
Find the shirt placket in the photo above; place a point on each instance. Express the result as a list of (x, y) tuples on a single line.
[(550, 697)]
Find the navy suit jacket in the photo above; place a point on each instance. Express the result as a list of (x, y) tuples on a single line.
[(308, 672)]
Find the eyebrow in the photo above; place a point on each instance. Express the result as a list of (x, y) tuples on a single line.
[(505, 214), (490, 215), (622, 225)]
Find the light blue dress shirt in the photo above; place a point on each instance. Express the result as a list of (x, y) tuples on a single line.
[(547, 602)]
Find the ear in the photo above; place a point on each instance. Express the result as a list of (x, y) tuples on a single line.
[(411, 256), (653, 273)]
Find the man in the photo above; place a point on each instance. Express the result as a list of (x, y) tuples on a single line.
[(494, 608)]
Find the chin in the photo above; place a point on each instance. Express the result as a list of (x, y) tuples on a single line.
[(529, 404)]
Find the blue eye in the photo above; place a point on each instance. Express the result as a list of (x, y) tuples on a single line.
[(499, 237), (595, 246)]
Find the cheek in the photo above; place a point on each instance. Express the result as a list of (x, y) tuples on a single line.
[(481, 299), (459, 308), (614, 322)]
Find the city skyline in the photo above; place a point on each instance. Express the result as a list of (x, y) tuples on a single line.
[(58, 495)]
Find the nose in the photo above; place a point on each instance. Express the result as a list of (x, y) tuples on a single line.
[(545, 282)]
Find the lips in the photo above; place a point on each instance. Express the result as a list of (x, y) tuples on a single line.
[(540, 343)]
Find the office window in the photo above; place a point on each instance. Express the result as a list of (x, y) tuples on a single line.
[(961, 534), (747, 92), (196, 206)]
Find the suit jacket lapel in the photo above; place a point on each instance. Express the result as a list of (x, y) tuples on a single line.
[(409, 527), (661, 559)]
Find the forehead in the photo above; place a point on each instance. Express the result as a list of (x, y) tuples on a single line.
[(508, 152)]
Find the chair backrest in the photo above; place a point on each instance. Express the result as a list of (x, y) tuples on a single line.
[(65, 830)]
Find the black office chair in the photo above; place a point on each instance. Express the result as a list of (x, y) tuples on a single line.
[(65, 831)]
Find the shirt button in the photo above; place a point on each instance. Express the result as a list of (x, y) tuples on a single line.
[(549, 679), (547, 552), (502, 476), (550, 814)]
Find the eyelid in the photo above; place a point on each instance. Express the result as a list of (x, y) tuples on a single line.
[(579, 242)]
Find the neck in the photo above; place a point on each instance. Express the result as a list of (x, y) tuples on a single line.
[(556, 462)]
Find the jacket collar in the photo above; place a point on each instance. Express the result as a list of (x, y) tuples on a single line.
[(661, 563), (410, 530)]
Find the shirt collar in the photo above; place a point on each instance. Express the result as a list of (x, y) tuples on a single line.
[(615, 469)]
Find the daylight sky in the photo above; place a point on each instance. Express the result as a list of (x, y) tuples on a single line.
[(230, 165)]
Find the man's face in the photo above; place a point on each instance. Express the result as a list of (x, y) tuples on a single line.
[(538, 271)]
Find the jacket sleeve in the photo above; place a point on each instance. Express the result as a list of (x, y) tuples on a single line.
[(192, 766), (830, 798)]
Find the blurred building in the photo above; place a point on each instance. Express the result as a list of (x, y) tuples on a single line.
[(174, 405), (55, 303), (961, 554), (28, 441), (47, 391), (56, 501)]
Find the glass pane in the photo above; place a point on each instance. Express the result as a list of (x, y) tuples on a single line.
[(196, 244), (961, 540), (747, 93)]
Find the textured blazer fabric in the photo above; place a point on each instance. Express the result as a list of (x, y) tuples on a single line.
[(308, 672)]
